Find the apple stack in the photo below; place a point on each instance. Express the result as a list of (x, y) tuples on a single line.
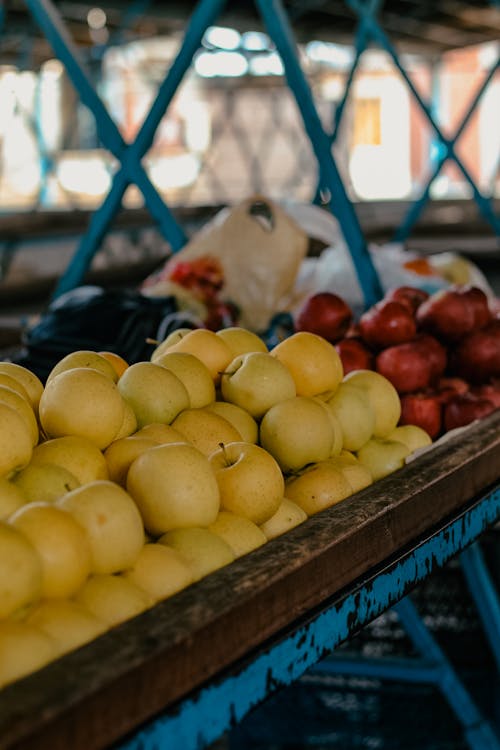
[(441, 352), (121, 485)]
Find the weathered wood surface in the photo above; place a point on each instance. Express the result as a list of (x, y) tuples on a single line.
[(97, 694)]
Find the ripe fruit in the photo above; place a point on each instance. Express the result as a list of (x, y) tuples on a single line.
[(9, 382), (435, 353), (32, 384), (317, 487), (477, 356), (16, 443), (112, 522), (195, 376), (355, 414), (160, 433), (239, 418), (82, 402), (122, 453), (240, 533), (423, 410), (447, 314), (382, 456), (87, 359), (68, 624), (386, 324), (205, 429), (113, 599), (207, 346), (410, 296), (241, 341), (325, 314), (44, 483), (129, 423), (406, 366), (202, 550), (464, 409), (174, 486), (23, 649), (383, 398), (79, 455), (154, 393), (118, 363), (354, 355), (411, 435), (356, 474), (256, 381), (20, 571), (313, 362), (61, 544), (23, 408), (159, 571), (250, 481), (11, 498), (288, 516), (478, 303), (297, 432)]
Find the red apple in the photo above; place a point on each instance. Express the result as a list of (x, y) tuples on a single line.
[(491, 391), (448, 388), (464, 409), (325, 314), (354, 355), (453, 313), (407, 366), (410, 296), (424, 410), (477, 356), (436, 352), (386, 324)]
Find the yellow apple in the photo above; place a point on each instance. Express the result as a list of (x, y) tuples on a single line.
[(207, 346), (69, 624), (313, 362), (118, 363), (193, 373), (202, 550), (297, 432), (174, 486), (11, 498), (241, 340), (23, 408), (239, 418), (250, 480), (205, 429), (113, 598), (44, 483), (256, 381), (288, 515), (20, 571), (82, 402), (16, 445), (61, 544), (112, 522), (318, 486), (356, 416), (129, 423), (31, 382), (160, 433), (411, 435), (23, 649), (240, 533), (121, 453), (356, 474), (79, 455), (173, 338), (159, 571), (154, 393), (382, 456), (9, 382), (336, 427), (383, 397), (86, 359)]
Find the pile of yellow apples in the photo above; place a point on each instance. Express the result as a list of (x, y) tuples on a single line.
[(122, 484)]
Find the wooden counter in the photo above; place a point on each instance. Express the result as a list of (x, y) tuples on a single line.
[(98, 694)]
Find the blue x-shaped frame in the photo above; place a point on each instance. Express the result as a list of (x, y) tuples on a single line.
[(370, 30), (130, 155)]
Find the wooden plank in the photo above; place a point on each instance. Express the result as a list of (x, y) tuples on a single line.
[(95, 695)]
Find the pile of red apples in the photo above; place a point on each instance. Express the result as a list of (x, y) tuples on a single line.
[(441, 352)]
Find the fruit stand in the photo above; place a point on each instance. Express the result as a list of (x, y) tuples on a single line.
[(183, 672)]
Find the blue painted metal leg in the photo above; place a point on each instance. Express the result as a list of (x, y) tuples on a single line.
[(485, 595), (203, 717), (279, 29), (478, 731)]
